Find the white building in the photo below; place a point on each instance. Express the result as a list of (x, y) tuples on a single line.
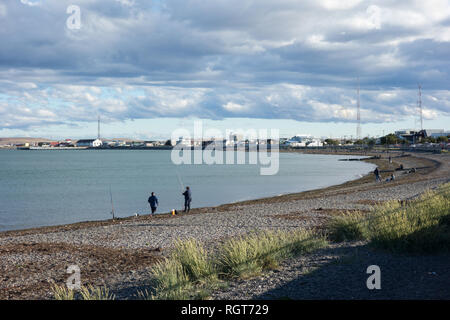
[(304, 141), (97, 143)]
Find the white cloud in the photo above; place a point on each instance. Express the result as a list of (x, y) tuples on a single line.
[(3, 10), (254, 58), (31, 3), (234, 107), (339, 5)]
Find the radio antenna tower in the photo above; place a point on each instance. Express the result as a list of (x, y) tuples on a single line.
[(98, 128), (419, 102), (358, 116)]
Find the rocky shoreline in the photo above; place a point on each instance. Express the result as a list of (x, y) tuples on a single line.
[(119, 253)]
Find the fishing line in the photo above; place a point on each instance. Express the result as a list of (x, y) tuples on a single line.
[(179, 178)]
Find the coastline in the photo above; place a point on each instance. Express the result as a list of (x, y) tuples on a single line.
[(119, 253), (103, 222), (307, 194)]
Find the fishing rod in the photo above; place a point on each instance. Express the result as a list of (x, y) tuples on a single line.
[(112, 204), (179, 179)]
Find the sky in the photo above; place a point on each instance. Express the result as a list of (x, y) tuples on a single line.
[(150, 67)]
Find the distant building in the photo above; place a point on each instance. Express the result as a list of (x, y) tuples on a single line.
[(441, 134), (304, 141), (150, 143), (315, 143), (413, 136), (137, 144), (409, 135), (435, 133), (86, 143), (97, 143), (184, 141)]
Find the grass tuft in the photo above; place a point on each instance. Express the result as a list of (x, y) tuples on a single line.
[(62, 292), (171, 281), (96, 293), (348, 227), (194, 260), (248, 256), (191, 273), (423, 226)]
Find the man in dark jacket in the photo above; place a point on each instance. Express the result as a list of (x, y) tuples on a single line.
[(376, 172), (187, 199), (153, 201)]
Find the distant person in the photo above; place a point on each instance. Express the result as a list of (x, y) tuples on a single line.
[(187, 199), (392, 177), (153, 201), (376, 172)]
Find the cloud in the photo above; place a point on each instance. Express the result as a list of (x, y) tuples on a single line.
[(225, 58)]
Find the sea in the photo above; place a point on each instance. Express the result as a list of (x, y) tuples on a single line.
[(44, 188)]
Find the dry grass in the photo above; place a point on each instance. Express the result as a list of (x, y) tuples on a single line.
[(187, 273), (191, 272), (61, 292), (96, 293), (248, 256), (90, 292), (422, 226)]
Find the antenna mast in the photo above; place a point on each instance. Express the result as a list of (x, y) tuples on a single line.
[(98, 128), (358, 116), (420, 107)]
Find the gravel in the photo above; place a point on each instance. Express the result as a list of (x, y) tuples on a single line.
[(209, 227)]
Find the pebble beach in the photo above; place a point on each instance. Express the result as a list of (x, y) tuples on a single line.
[(119, 253)]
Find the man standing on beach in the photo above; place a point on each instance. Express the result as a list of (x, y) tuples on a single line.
[(153, 201), (376, 172), (187, 199)]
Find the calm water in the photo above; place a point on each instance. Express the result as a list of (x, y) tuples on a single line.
[(39, 188)]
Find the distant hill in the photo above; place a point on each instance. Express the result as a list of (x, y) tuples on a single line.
[(23, 140), (20, 140), (124, 139)]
